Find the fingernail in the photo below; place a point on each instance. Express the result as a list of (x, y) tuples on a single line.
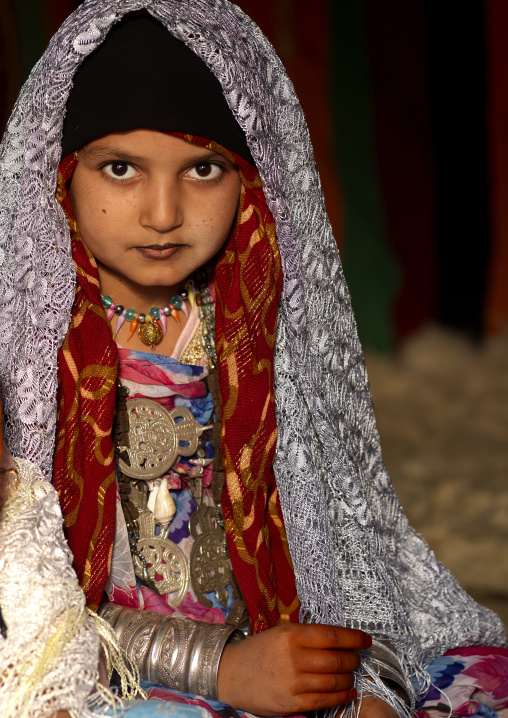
[(353, 694), (368, 640)]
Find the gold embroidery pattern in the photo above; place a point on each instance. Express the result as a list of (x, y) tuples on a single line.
[(194, 351)]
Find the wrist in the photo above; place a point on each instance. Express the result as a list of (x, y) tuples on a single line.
[(226, 675)]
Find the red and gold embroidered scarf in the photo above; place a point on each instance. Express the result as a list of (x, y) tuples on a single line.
[(248, 283), (84, 467)]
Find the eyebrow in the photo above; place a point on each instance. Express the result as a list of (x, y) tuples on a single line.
[(109, 151)]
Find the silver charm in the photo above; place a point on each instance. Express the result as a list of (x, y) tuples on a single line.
[(157, 437), (158, 561), (165, 563), (210, 567)]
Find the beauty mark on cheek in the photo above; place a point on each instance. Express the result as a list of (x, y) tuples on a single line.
[(104, 211)]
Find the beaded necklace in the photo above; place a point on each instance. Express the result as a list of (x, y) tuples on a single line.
[(207, 316), (152, 326)]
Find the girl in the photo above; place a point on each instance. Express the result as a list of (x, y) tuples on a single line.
[(203, 342)]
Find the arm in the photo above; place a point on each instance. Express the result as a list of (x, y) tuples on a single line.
[(284, 670)]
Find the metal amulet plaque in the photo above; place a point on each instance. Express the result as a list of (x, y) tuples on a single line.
[(157, 437)]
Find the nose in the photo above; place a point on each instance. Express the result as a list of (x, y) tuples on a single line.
[(162, 206)]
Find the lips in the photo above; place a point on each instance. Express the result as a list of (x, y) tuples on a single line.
[(159, 252)]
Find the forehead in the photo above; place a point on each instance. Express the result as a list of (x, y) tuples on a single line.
[(148, 145)]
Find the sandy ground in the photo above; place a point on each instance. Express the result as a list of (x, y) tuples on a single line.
[(442, 410)]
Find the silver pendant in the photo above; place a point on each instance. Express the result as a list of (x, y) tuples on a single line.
[(158, 561), (161, 560), (210, 568), (156, 438)]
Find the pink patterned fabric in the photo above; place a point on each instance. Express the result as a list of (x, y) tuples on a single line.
[(470, 681)]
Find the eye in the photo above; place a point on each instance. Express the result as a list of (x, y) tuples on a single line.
[(119, 170), (205, 171)]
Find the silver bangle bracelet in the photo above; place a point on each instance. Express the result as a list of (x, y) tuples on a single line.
[(385, 661), (175, 652)]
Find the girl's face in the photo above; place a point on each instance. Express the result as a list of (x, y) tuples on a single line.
[(151, 207)]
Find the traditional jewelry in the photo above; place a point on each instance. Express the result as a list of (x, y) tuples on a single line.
[(152, 326), (178, 653), (204, 301), (149, 442)]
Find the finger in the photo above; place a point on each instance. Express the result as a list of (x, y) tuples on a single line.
[(320, 636), (326, 682), (312, 660), (318, 701)]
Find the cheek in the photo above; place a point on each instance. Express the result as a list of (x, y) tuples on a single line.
[(229, 204), (92, 210), (82, 201)]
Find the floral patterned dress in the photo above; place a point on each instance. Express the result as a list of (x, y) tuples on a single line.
[(468, 682)]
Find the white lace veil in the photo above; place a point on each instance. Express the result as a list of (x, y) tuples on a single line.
[(357, 561)]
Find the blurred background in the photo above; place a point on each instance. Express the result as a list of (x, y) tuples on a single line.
[(407, 107)]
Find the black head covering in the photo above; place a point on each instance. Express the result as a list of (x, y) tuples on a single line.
[(141, 77)]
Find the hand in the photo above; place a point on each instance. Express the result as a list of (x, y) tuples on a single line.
[(291, 669), (8, 479), (373, 707)]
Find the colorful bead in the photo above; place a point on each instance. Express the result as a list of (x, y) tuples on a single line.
[(134, 324), (174, 314), (121, 320), (190, 290), (156, 315)]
